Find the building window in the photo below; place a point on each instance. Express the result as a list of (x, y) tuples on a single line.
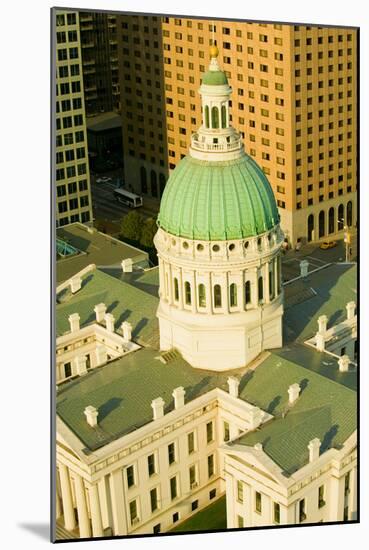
[(67, 370), (212, 494), (217, 296), (233, 295), (302, 511), (310, 227), (321, 501), (321, 223), (276, 512), (188, 293), (271, 285), (239, 491), (226, 436), (176, 289), (154, 499), (192, 476), (247, 292), (151, 464), (130, 473), (214, 117), (133, 512), (210, 465), (260, 289), (191, 442), (240, 522), (173, 487), (349, 213), (258, 502), (347, 483), (209, 432), (202, 295), (331, 220), (194, 505), (171, 453)]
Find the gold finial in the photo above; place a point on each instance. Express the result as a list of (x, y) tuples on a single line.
[(214, 52)]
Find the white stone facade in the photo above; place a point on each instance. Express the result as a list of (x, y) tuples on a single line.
[(221, 303)]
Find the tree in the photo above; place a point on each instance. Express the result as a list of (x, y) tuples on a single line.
[(149, 229), (132, 226)]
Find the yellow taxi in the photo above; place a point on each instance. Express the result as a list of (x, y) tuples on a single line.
[(328, 244)]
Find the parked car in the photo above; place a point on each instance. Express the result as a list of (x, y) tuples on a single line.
[(104, 179), (328, 244)]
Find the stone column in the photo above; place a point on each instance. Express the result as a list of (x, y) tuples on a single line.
[(208, 294), (83, 519), (255, 289), (97, 528), (118, 503), (194, 293), (161, 279), (69, 518), (58, 506), (275, 261), (353, 495)]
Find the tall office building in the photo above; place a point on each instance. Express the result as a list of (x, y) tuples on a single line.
[(73, 197), (294, 101), (99, 61)]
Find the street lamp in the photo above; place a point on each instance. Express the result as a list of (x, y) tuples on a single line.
[(346, 240)]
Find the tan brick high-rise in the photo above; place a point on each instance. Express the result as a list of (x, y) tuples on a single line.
[(294, 101)]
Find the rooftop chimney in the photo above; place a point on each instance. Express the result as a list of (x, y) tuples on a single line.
[(109, 320), (127, 331), (127, 265), (100, 310), (91, 415), (314, 449), (322, 324), (293, 393), (255, 418), (233, 385), (74, 319), (179, 397), (350, 308), (75, 284), (157, 406), (343, 363)]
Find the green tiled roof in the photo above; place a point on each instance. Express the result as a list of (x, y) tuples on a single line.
[(123, 390), (217, 200), (325, 409), (124, 301)]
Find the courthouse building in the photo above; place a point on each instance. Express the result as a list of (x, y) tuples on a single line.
[(207, 378)]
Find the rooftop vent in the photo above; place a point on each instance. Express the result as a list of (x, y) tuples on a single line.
[(91, 415)]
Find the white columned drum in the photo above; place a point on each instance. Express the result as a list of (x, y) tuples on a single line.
[(219, 222)]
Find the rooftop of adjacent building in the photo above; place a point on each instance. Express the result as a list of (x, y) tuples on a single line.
[(78, 246), (104, 121), (122, 391)]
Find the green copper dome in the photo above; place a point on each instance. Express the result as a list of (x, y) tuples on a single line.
[(214, 78), (208, 200)]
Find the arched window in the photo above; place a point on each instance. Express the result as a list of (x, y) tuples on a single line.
[(154, 184), (260, 289), (188, 293), (206, 116), (247, 292), (279, 277), (224, 116), (349, 213), (202, 295), (310, 228), (143, 179), (233, 295), (271, 285), (214, 117), (161, 184), (321, 223), (341, 216), (217, 296), (176, 289), (331, 223)]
